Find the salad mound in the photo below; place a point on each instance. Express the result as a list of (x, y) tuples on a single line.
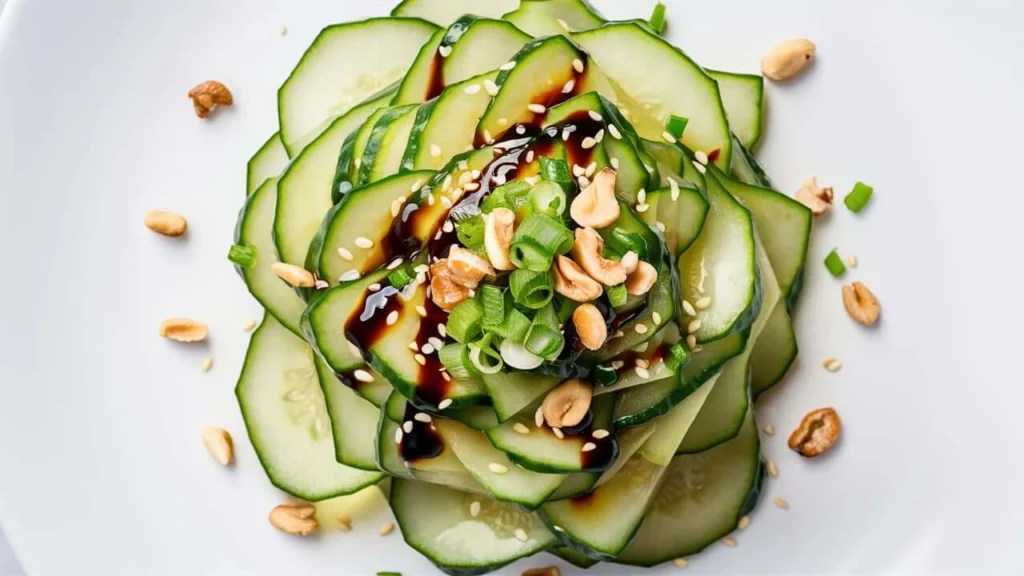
[(546, 278)]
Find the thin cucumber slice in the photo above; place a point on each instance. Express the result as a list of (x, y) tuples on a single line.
[(286, 417), (669, 156), (742, 96), (350, 158), (384, 149), (576, 484), (674, 426), (652, 352), (534, 22), (444, 12), (687, 516), (681, 87), (493, 470), (682, 210), (254, 230), (447, 123), (365, 213), (480, 418), (721, 265), (630, 441), (774, 353), (483, 45), (573, 557), (659, 311), (511, 392), (304, 190), (745, 168), (541, 450), (353, 421), (577, 15), (389, 455), (268, 162), (424, 74), (436, 521), (338, 71)]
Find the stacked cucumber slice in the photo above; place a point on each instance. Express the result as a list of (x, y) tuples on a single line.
[(400, 138)]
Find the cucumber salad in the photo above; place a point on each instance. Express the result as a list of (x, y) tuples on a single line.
[(519, 262)]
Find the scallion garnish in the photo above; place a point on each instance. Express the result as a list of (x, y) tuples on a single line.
[(400, 277), (537, 241), (835, 264), (471, 232), (455, 359), (484, 357), (493, 299), (511, 196), (622, 241), (547, 198), (617, 295), (675, 125), (389, 574), (513, 327), (858, 198), (677, 357), (545, 339), (606, 375), (565, 308), (464, 321), (244, 256), (657, 20), (531, 289), (557, 171)]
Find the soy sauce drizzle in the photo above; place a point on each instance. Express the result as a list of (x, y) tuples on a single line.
[(423, 442)]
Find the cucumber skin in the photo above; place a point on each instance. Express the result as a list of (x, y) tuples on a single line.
[(573, 557)]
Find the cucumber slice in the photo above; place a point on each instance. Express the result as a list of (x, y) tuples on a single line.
[(573, 557), (511, 392), (510, 483), (540, 450), (774, 353), (304, 190), (447, 122), (682, 210), (670, 157), (444, 12), (576, 484), (575, 14), (640, 327), (630, 441), (742, 96), (745, 167), (436, 521), (384, 149), (675, 425), (350, 159), (681, 87), (254, 229), (424, 78), (480, 418), (481, 45), (721, 265), (534, 22), (286, 418), (366, 213), (687, 516), (390, 447), (268, 162), (338, 71), (353, 421)]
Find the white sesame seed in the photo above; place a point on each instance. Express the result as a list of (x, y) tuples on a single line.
[(773, 470), (490, 87), (508, 65), (447, 227), (691, 341), (769, 430), (423, 417), (414, 346), (387, 529), (563, 24), (395, 263), (614, 131), (487, 137), (249, 325), (345, 254), (447, 378), (472, 186), (618, 334), (558, 529), (583, 181), (701, 157), (700, 167), (529, 156), (373, 287), (396, 207), (659, 226), (743, 523), (444, 51), (641, 196), (538, 417), (577, 65), (363, 376), (680, 563), (497, 468), (693, 326), (320, 284), (703, 303), (521, 535), (435, 342), (435, 150), (569, 86), (588, 447), (398, 436), (442, 330), (668, 137), (392, 318), (444, 403), (536, 108), (472, 89), (832, 364), (642, 372), (207, 364), (614, 162), (852, 261), (595, 115), (641, 328), (474, 508), (364, 242), (407, 426), (578, 170), (349, 276), (475, 174), (729, 541), (781, 503), (591, 169), (420, 359), (427, 349), (649, 168), (589, 143), (520, 428), (688, 308), (642, 363), (656, 317), (446, 202), (430, 199), (600, 135), (617, 364), (558, 433), (565, 134), (357, 162), (642, 207), (599, 434), (674, 187)]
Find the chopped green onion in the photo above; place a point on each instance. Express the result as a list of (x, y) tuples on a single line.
[(657, 20), (455, 359), (484, 358), (675, 125), (511, 196), (526, 255), (677, 357), (548, 198), (557, 171), (617, 295), (471, 232), (622, 241), (606, 375), (835, 264), (513, 327), (244, 256), (517, 356), (400, 277), (545, 232), (493, 304), (531, 289), (464, 321), (565, 308), (389, 574), (544, 341), (858, 198)]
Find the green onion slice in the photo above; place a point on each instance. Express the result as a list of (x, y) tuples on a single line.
[(455, 358), (464, 321), (677, 357), (484, 358), (513, 327), (547, 198), (675, 125), (471, 232), (858, 198), (835, 264), (493, 299), (657, 20), (556, 170), (617, 295), (244, 256), (531, 289)]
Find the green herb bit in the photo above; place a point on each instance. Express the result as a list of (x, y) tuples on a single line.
[(389, 574), (464, 322), (858, 198), (675, 125), (835, 265), (657, 20), (617, 295), (531, 289), (547, 198), (493, 299), (556, 170), (471, 232), (677, 356), (244, 256), (511, 196), (400, 277)]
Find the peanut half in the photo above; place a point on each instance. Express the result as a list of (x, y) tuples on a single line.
[(567, 404), (218, 443), (788, 59), (169, 224), (818, 199), (817, 432), (207, 96), (861, 304), (183, 330), (296, 519)]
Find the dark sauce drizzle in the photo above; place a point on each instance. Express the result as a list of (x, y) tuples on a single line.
[(423, 442)]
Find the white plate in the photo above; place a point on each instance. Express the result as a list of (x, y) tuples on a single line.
[(101, 468)]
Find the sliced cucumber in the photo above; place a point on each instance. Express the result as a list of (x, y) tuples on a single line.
[(576, 14), (481, 46), (365, 212), (383, 153), (389, 452), (268, 162), (493, 470), (542, 451), (353, 421), (304, 191), (721, 265), (444, 12), (774, 353), (573, 557), (447, 122), (534, 22), (424, 76), (436, 521), (742, 96), (338, 71), (682, 210), (688, 515), (576, 484), (286, 417), (641, 327), (254, 230), (480, 418), (675, 425), (511, 392), (681, 87), (745, 167), (630, 441), (350, 159)]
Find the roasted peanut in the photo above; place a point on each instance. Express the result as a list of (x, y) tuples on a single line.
[(294, 275), (294, 519), (590, 326), (642, 279), (861, 304), (498, 229), (596, 205), (445, 291), (573, 283), (545, 571), (567, 404), (787, 59), (814, 197), (817, 432), (208, 95), (587, 250), (467, 268), (183, 330), (218, 443), (167, 223)]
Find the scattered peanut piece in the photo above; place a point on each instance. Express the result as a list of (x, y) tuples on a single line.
[(545, 571), (207, 364), (297, 276), (817, 432), (218, 443), (781, 503), (183, 330), (861, 304), (832, 364), (788, 59), (207, 96), (680, 563), (169, 224), (590, 326), (249, 325), (387, 529), (295, 519), (818, 199), (567, 403)]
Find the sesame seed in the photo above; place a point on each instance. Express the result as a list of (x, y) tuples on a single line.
[(600, 135), (357, 162), (472, 89), (207, 364), (490, 87), (577, 65), (442, 330), (474, 508), (691, 342), (743, 523), (680, 563), (373, 287), (773, 470), (249, 325), (614, 131), (599, 434), (435, 150), (641, 348), (487, 137), (674, 187), (641, 329), (387, 529), (520, 428), (769, 430), (447, 227), (558, 529), (669, 137), (832, 364), (407, 426), (595, 115), (649, 168), (703, 303), (701, 157), (364, 242), (427, 349), (589, 143), (697, 349), (781, 502), (499, 180), (642, 372), (656, 317), (583, 181), (642, 363), (363, 376), (472, 186), (435, 342), (558, 433), (284, 31), (395, 263), (420, 359), (447, 378), (729, 541), (569, 86), (563, 24), (497, 468), (521, 535), (444, 51), (615, 163), (320, 284), (700, 167), (349, 276), (345, 254), (508, 65), (446, 202), (392, 317), (642, 207), (641, 196), (520, 129), (688, 308), (588, 447), (852, 261), (529, 156), (538, 417), (578, 170), (693, 326), (423, 417), (396, 207), (617, 364), (398, 436), (475, 174), (591, 169), (565, 134), (414, 347)]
